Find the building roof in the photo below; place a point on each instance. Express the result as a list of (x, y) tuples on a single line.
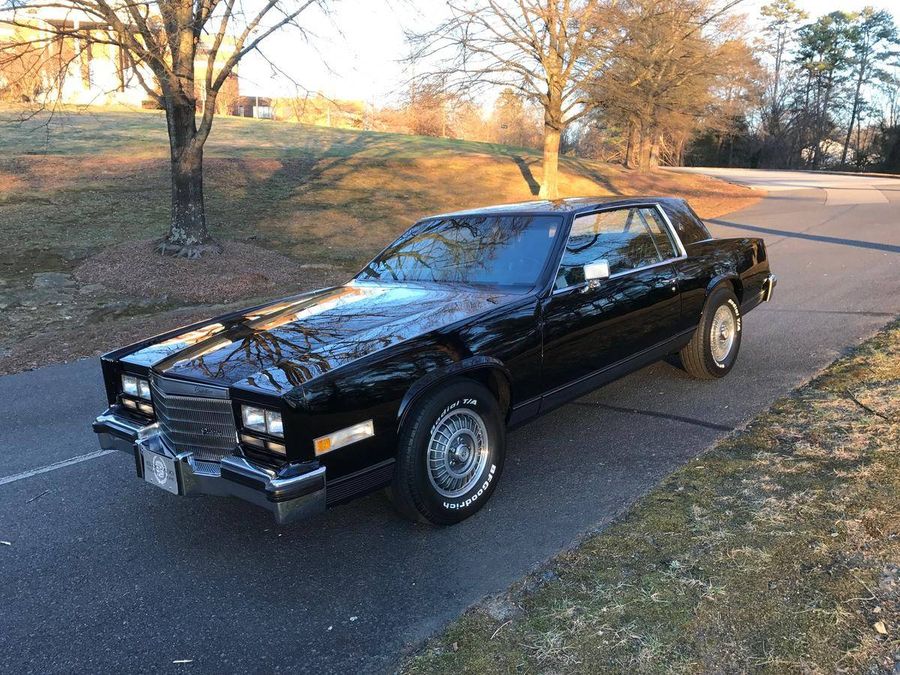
[(558, 206)]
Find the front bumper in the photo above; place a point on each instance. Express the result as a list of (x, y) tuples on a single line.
[(292, 493)]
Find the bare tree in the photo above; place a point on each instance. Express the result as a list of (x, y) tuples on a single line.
[(182, 52), (546, 49), (823, 55), (515, 120), (872, 35), (678, 63), (783, 17)]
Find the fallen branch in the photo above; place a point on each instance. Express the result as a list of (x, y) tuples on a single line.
[(867, 408)]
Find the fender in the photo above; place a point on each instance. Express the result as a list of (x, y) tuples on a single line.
[(426, 382), (730, 277)]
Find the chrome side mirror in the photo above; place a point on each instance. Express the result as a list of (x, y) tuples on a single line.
[(595, 272)]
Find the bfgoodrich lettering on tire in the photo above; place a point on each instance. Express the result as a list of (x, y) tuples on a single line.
[(714, 348), (450, 454)]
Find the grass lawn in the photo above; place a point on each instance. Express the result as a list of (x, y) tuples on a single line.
[(777, 551), (325, 199)]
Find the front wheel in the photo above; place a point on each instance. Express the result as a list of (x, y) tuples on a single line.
[(713, 349), (450, 454)]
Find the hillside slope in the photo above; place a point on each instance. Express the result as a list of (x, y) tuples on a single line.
[(97, 179), (83, 196)]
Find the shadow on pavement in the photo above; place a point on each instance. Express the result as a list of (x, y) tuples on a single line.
[(890, 248)]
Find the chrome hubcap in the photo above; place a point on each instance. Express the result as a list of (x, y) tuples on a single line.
[(457, 452), (722, 334)]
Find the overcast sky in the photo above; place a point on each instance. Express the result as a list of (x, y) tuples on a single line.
[(363, 44)]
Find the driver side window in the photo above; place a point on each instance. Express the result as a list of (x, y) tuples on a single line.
[(620, 236)]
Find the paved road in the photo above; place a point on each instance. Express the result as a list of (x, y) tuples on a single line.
[(104, 573)]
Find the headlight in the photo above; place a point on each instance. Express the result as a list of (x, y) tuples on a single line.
[(136, 386), (273, 423), (263, 421)]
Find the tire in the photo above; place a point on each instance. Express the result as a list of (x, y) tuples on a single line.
[(459, 431), (705, 358)]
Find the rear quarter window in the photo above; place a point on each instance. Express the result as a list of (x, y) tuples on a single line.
[(689, 227)]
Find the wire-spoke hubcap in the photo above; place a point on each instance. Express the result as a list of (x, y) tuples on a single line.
[(457, 452), (722, 334)]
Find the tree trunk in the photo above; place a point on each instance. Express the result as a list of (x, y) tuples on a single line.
[(188, 234), (653, 154), (854, 111), (550, 182), (646, 148), (823, 121), (632, 156), (188, 226)]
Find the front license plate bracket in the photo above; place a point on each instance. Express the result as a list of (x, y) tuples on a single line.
[(160, 471)]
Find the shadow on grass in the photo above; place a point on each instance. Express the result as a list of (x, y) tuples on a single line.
[(591, 172)]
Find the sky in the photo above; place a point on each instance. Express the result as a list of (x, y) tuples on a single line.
[(363, 44)]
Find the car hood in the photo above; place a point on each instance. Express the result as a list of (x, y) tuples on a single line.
[(282, 345)]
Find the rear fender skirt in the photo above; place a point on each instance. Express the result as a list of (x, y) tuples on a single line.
[(435, 377)]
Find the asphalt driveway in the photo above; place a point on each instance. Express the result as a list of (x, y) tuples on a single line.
[(103, 573)]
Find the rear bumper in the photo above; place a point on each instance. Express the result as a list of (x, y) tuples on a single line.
[(294, 492), (769, 286)]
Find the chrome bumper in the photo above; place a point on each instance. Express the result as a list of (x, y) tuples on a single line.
[(294, 492), (769, 286)]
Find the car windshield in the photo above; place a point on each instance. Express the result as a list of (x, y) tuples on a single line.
[(501, 250)]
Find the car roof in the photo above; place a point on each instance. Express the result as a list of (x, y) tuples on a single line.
[(556, 206)]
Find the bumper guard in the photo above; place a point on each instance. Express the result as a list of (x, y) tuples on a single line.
[(769, 286)]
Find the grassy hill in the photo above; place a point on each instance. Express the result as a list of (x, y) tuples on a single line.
[(311, 192), (91, 184)]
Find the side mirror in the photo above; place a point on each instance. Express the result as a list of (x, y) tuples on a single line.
[(597, 270)]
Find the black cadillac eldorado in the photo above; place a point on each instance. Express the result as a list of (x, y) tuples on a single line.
[(408, 375)]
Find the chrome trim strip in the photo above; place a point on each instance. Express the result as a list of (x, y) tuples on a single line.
[(618, 275), (530, 401), (672, 234)]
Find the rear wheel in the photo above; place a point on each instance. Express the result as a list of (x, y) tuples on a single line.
[(450, 454), (714, 348)]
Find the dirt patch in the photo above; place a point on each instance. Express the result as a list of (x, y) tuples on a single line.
[(241, 271), (71, 342), (87, 320)]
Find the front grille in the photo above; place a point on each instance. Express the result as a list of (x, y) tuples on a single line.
[(197, 424)]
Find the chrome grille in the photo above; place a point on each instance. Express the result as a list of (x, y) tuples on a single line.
[(197, 424)]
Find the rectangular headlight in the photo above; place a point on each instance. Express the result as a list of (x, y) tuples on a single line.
[(261, 420), (139, 387), (343, 437), (144, 388), (129, 385), (274, 426)]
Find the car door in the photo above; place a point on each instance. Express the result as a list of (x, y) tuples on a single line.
[(589, 327)]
